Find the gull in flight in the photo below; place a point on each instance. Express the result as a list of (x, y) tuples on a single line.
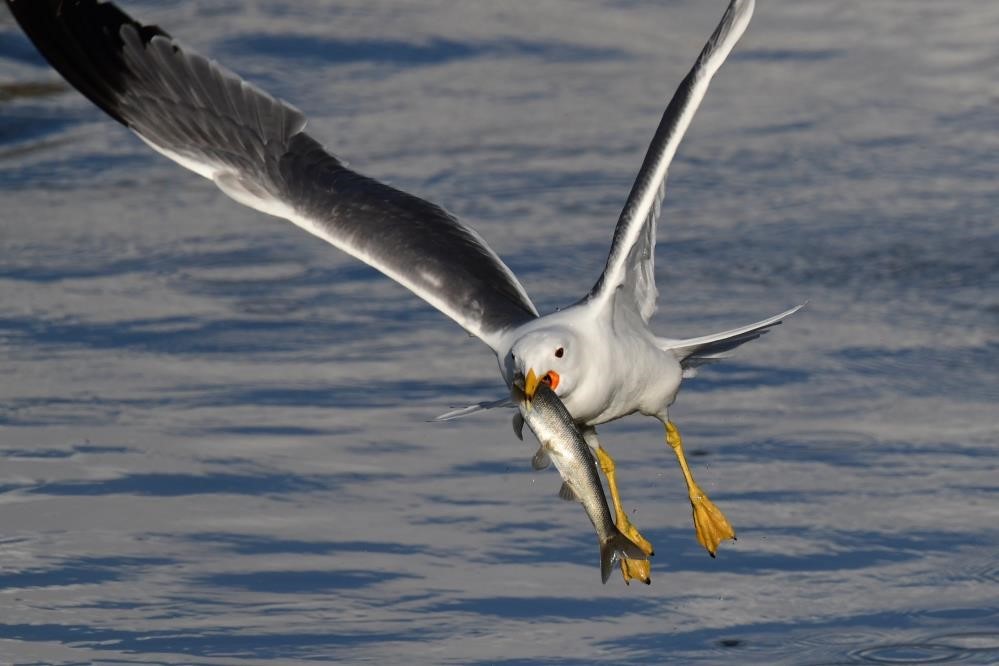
[(599, 355)]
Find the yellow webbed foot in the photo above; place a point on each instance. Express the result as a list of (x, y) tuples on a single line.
[(630, 569), (710, 524), (635, 569), (632, 533)]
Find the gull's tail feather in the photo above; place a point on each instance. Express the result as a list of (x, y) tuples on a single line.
[(613, 549), (693, 352)]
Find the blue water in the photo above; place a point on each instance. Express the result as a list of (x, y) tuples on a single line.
[(214, 445)]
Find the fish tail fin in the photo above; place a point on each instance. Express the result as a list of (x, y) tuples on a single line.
[(613, 549)]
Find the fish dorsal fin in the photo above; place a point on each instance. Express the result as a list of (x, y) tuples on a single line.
[(541, 459), (567, 493)]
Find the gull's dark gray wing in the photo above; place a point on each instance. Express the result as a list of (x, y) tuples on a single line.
[(630, 268), (253, 147)]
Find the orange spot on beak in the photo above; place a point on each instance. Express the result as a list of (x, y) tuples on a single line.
[(531, 382), (551, 378)]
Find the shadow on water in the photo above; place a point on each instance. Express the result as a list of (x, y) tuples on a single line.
[(14, 46), (785, 55), (82, 571), (67, 172), (845, 551), (29, 128), (841, 449), (60, 453), (371, 394), (222, 641), (229, 268), (537, 662), (251, 544), (401, 54), (29, 90), (907, 370), (91, 409), (579, 548), (272, 430), (543, 608), (176, 485), (732, 374), (184, 335), (301, 582), (870, 273)]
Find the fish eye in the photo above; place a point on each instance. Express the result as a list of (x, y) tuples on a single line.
[(560, 352)]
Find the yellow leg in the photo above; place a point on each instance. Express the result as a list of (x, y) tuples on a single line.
[(629, 568), (709, 522)]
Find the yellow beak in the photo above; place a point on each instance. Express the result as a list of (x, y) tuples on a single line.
[(530, 384)]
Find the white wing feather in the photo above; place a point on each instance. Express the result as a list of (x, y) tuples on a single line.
[(630, 268)]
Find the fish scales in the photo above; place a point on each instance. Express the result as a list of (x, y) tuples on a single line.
[(561, 440)]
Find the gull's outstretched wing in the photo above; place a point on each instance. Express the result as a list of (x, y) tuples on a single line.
[(253, 147), (694, 352), (630, 269)]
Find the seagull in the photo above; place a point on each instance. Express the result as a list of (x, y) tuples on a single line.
[(598, 355)]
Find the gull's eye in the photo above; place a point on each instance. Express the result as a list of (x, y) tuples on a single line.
[(560, 352)]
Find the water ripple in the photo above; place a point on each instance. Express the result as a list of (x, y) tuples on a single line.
[(972, 641), (909, 653)]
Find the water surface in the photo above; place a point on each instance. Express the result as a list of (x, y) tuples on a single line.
[(213, 436)]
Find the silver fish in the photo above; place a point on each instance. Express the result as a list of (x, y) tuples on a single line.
[(562, 444)]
